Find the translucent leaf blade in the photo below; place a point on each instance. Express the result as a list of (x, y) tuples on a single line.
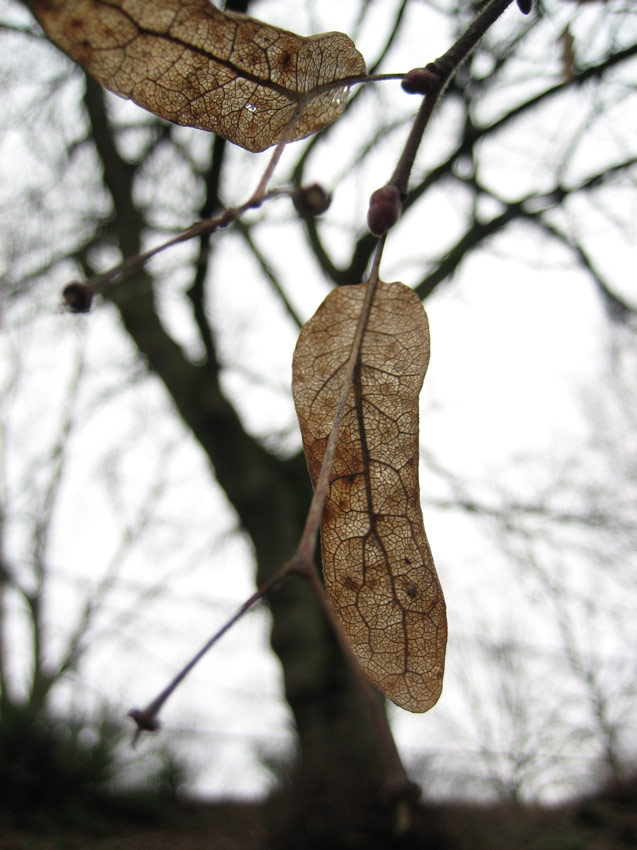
[(378, 568), (194, 65)]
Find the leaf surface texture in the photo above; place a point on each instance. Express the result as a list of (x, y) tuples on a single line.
[(378, 568), (192, 64)]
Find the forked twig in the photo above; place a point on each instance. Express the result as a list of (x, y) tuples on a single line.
[(302, 562), (78, 296), (437, 76), (384, 211), (398, 788)]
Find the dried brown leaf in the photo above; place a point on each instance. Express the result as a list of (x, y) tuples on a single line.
[(192, 64), (379, 572)]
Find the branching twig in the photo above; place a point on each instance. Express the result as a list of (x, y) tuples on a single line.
[(434, 79), (78, 296), (386, 203), (302, 562), (443, 68)]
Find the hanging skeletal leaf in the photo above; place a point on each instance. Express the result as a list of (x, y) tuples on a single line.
[(192, 64), (378, 568)]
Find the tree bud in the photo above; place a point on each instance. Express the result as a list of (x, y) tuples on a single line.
[(77, 297), (311, 200), (420, 80), (384, 211)]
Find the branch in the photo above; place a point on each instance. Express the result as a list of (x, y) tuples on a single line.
[(364, 248), (617, 308), (530, 207), (197, 291), (302, 564), (607, 521), (583, 76), (319, 138), (478, 233), (265, 267)]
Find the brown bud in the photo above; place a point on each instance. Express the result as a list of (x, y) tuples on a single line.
[(420, 80), (525, 6), (311, 200), (77, 297), (384, 211)]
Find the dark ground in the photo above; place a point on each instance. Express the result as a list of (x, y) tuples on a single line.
[(603, 821)]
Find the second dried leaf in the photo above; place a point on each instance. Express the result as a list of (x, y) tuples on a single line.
[(379, 572)]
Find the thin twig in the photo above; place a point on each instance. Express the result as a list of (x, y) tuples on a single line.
[(444, 68), (302, 562), (146, 718), (99, 282)]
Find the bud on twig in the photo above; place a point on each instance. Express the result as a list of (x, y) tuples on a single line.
[(384, 211), (525, 6), (77, 297), (311, 200), (420, 80)]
